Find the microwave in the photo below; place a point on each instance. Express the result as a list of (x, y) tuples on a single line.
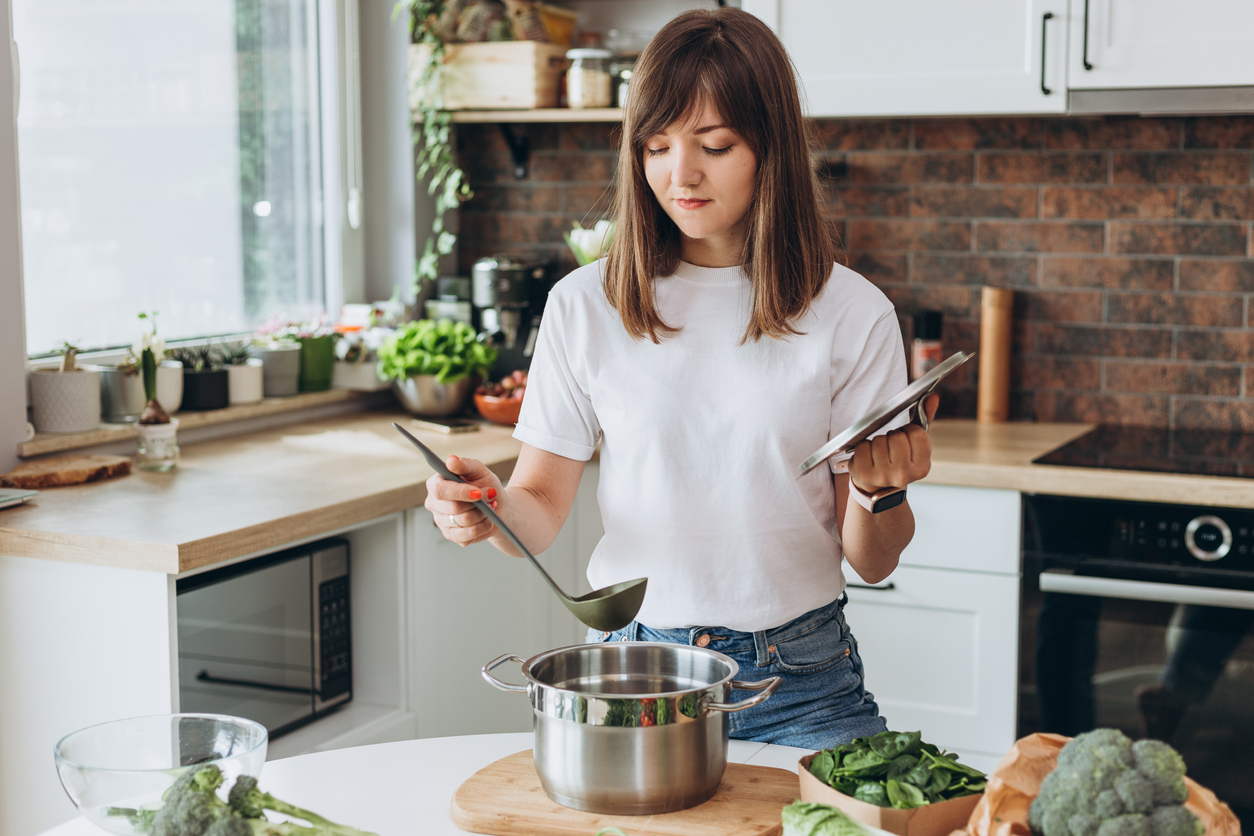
[(269, 639)]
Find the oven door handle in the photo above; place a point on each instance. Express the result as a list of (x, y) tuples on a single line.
[(1171, 593)]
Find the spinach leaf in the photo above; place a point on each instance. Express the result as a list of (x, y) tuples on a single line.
[(822, 765), (905, 796), (872, 793), (890, 744), (902, 765), (864, 762)]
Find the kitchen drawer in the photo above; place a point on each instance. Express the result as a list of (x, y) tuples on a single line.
[(940, 650), (972, 529)]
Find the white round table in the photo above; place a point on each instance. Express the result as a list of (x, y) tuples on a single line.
[(406, 787)]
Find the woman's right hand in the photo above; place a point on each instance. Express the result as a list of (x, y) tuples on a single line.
[(451, 503)]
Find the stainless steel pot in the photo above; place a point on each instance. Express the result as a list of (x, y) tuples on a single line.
[(631, 728)]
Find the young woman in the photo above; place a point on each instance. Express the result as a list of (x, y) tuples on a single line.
[(715, 348)]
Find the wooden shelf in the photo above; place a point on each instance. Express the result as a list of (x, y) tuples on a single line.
[(555, 114), (44, 443)]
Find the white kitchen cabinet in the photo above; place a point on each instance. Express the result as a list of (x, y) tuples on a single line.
[(470, 605), (939, 638), (918, 57), (1161, 43)]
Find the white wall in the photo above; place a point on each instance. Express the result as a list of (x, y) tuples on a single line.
[(12, 326), (388, 163)]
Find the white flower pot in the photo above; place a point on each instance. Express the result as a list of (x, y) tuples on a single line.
[(170, 386), (360, 377), (65, 402), (246, 381)]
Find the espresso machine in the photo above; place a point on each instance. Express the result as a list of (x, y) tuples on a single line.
[(508, 294)]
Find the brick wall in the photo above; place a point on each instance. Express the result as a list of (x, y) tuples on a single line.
[(1128, 242)]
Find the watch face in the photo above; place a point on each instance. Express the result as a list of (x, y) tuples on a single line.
[(891, 501)]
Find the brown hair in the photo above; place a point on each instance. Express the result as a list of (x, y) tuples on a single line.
[(733, 61)]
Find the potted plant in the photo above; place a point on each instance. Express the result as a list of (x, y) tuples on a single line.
[(317, 355), (65, 398), (156, 433), (245, 374), (280, 360), (121, 391), (434, 366), (357, 360), (205, 382), (429, 26)]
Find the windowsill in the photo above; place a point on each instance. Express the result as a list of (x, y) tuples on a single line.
[(44, 443)]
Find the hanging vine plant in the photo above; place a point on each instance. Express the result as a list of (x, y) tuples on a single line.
[(433, 134)]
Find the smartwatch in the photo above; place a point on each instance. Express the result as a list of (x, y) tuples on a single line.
[(881, 500)]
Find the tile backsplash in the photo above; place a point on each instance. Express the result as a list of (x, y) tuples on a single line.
[(1126, 240)]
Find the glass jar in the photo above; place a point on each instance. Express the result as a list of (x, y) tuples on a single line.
[(588, 81), (156, 446)]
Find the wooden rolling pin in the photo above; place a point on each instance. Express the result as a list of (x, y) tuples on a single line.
[(996, 336)]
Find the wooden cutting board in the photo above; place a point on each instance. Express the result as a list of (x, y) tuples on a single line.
[(506, 799), (65, 470)]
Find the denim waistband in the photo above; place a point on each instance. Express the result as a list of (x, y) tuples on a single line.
[(737, 641)]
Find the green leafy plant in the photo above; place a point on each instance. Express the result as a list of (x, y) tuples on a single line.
[(447, 349), (197, 358), (68, 352), (896, 769), (808, 818), (234, 354), (433, 134)]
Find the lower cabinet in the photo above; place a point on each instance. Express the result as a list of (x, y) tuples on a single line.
[(470, 605), (940, 645)]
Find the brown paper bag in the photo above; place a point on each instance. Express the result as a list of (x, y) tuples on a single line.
[(1003, 811)]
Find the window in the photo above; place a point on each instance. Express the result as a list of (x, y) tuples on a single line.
[(170, 160)]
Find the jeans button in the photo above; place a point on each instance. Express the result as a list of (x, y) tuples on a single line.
[(702, 640)]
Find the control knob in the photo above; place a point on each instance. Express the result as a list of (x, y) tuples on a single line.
[(1208, 538)]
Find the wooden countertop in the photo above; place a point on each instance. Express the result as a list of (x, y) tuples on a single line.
[(248, 494)]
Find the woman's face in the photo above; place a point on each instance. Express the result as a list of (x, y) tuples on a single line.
[(702, 174)]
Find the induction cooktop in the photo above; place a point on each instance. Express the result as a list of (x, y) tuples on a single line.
[(1202, 452)]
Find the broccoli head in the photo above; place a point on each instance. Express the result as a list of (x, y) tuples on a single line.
[(246, 800), (1106, 785), (1163, 767), (1130, 824)]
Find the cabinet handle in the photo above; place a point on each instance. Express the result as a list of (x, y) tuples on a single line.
[(1087, 65), (1044, 20), (888, 587)]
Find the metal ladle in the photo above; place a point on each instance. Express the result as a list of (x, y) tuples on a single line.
[(611, 608)]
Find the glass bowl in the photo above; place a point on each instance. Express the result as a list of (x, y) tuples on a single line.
[(128, 764)]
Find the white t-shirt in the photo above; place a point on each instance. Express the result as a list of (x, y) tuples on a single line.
[(701, 438)]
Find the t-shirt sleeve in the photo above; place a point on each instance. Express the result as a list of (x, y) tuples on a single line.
[(557, 414), (878, 374)]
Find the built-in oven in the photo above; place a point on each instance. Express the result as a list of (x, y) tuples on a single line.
[(1137, 616), (270, 638)]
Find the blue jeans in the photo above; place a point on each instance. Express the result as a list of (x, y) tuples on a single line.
[(820, 703)]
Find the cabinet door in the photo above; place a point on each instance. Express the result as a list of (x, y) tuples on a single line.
[(1161, 43), (468, 606), (920, 57), (940, 650)]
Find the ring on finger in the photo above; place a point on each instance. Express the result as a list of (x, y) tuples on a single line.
[(452, 521)]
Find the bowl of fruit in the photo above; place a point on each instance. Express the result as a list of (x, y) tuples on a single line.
[(500, 402)]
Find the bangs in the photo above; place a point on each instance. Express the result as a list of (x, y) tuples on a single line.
[(706, 70)]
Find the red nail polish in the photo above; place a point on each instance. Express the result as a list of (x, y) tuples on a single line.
[(491, 493), (475, 494), (493, 504)]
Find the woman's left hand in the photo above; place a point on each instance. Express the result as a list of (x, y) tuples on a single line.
[(895, 459)]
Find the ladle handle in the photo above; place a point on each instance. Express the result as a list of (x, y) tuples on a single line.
[(438, 464)]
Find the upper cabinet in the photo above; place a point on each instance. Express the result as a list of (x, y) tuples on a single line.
[(920, 57), (1161, 43)]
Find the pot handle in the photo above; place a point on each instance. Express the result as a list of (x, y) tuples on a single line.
[(766, 686), (496, 683)]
